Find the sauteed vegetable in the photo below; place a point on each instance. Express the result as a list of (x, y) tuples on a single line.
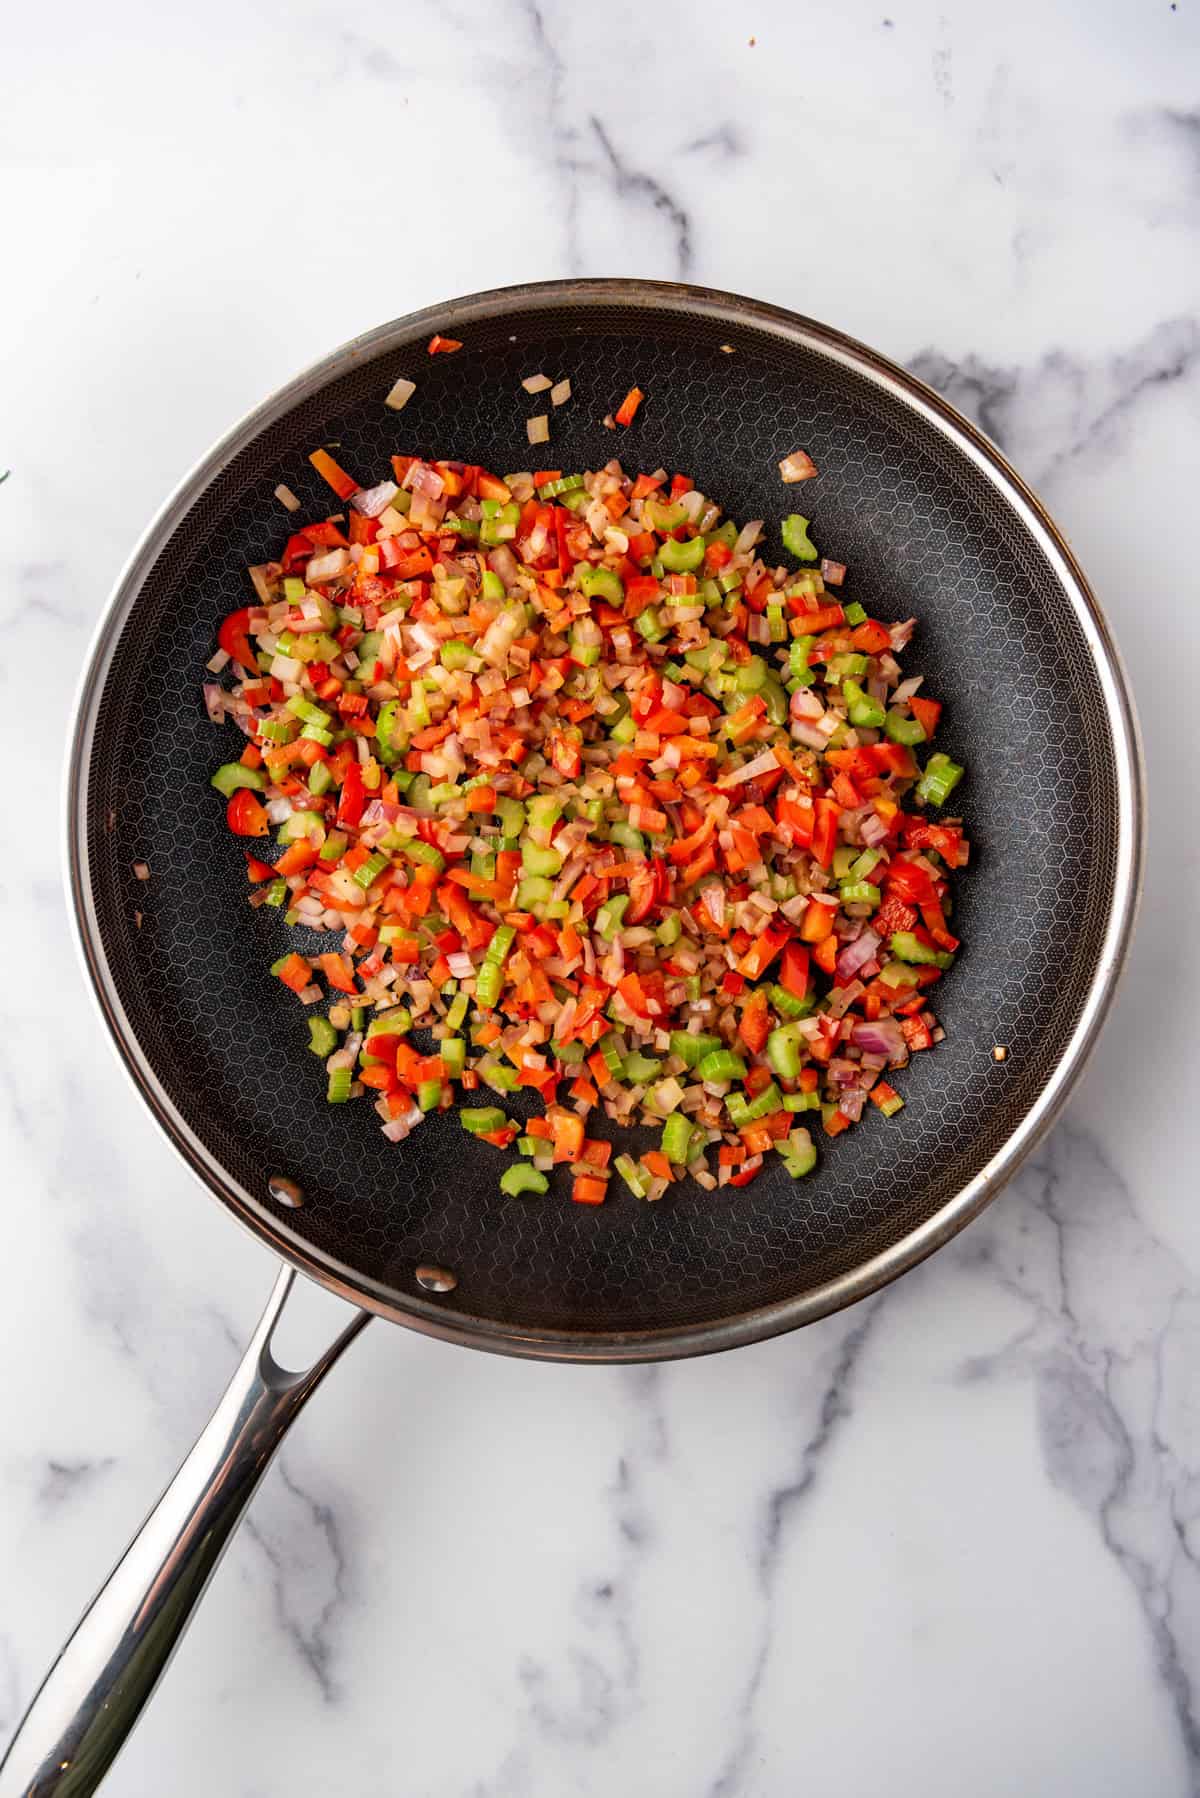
[(579, 784)]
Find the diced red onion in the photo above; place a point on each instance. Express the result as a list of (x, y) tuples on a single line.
[(799, 466), (713, 899), (214, 701), (748, 536), (396, 1129), (872, 830), (832, 573), (899, 634), (855, 954), (371, 501), (878, 1036), (383, 811), (502, 562), (806, 704)]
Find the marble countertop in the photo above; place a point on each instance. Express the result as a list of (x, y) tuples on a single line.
[(948, 1541)]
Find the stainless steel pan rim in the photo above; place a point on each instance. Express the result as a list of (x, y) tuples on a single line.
[(750, 1326)]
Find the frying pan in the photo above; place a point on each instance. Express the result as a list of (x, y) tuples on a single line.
[(932, 522)]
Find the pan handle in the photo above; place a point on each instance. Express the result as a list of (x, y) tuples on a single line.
[(94, 1693)]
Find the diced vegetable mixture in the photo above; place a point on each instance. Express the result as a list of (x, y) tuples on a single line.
[(597, 803)]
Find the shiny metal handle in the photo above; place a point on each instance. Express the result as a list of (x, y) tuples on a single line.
[(94, 1693)]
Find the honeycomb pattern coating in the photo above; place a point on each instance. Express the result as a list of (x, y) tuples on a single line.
[(923, 533)]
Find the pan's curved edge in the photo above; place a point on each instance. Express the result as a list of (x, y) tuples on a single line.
[(644, 1345)]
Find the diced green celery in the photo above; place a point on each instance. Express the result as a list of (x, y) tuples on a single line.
[(796, 538), (601, 583), (540, 861), (910, 949), (682, 558), (783, 1051), (677, 1138), (863, 711), (232, 775), (691, 1047), (939, 780), (903, 729), (482, 1120), (518, 1179)]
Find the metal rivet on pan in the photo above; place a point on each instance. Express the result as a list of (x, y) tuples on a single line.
[(285, 1191), (999, 1053), (436, 1279)]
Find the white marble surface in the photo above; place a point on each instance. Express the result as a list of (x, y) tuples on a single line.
[(948, 1542)]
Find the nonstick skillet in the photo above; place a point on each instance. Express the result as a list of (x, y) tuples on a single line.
[(932, 522)]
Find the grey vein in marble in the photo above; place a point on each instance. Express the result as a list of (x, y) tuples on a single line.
[(62, 1481), (826, 1411), (1108, 1397), (1046, 416), (306, 1561)]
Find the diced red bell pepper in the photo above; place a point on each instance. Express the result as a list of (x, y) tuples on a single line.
[(824, 841), (793, 970), (234, 638), (927, 712), (338, 972), (754, 1023), (342, 483), (245, 816), (762, 953), (871, 638), (910, 882), (353, 801), (624, 414)]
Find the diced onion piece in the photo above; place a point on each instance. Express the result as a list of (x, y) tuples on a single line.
[(327, 567), (761, 764), (536, 383), (400, 394), (560, 393), (799, 466), (216, 662), (537, 429), (832, 573), (262, 586), (141, 870), (371, 501), (287, 498)]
